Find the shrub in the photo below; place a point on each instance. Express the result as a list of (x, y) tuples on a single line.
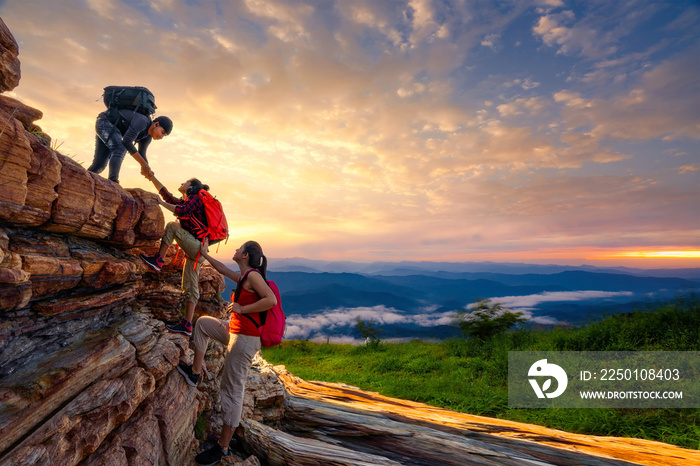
[(369, 332), (488, 320)]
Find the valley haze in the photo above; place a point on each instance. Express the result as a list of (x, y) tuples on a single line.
[(411, 299)]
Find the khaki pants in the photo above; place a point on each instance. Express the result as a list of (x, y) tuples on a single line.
[(240, 351), (190, 245)]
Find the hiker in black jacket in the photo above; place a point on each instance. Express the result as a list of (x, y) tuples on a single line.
[(114, 139)]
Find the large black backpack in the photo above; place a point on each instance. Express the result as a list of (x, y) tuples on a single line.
[(136, 98)]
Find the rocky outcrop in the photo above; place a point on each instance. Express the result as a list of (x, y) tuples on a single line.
[(9, 59)]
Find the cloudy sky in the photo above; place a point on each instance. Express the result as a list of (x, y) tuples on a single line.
[(551, 131)]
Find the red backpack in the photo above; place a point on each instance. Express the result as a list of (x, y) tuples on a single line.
[(273, 320), (216, 228)]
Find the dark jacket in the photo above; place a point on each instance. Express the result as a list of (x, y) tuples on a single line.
[(134, 128)]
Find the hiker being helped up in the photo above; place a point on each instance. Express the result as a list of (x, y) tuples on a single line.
[(240, 335), (188, 234)]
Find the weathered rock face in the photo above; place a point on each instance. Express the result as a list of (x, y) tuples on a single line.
[(9, 59)]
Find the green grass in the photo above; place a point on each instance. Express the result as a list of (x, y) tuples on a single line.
[(470, 376)]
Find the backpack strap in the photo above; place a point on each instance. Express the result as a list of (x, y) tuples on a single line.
[(253, 320), (237, 294), (202, 229), (239, 285)]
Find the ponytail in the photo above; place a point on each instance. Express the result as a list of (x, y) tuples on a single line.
[(256, 258)]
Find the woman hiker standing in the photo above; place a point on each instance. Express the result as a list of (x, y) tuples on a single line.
[(240, 335), (191, 216)]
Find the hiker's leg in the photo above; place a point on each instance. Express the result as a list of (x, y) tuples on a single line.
[(189, 309), (226, 435), (102, 130), (117, 153), (241, 349), (168, 237), (190, 285), (188, 243), (190, 275), (112, 138), (101, 157), (207, 327)]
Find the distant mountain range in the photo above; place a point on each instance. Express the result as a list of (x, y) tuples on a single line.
[(420, 299), (297, 264)]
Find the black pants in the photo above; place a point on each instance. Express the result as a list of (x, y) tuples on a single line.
[(108, 148)]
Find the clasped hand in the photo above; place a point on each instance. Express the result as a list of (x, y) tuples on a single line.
[(147, 172)]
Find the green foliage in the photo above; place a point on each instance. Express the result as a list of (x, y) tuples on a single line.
[(303, 346), (201, 427), (370, 332), (487, 320), (471, 375)]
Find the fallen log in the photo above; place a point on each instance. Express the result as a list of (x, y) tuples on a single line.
[(280, 448), (412, 444), (396, 429)]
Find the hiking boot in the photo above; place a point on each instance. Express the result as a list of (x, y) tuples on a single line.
[(190, 377), (211, 456), (184, 327), (155, 262)]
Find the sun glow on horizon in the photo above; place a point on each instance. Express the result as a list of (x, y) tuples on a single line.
[(691, 254)]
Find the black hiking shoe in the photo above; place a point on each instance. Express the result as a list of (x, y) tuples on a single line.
[(184, 327), (156, 262), (211, 456), (190, 377)]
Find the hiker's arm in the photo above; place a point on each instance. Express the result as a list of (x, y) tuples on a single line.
[(138, 124), (167, 197), (218, 266), (267, 297), (144, 165), (158, 185), (170, 207), (165, 194)]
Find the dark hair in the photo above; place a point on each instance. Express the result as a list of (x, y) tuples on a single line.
[(256, 258), (165, 123), (195, 187)]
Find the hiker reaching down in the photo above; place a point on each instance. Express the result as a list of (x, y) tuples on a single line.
[(191, 217), (240, 335), (115, 137)]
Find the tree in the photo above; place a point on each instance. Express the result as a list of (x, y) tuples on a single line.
[(487, 320), (369, 332)]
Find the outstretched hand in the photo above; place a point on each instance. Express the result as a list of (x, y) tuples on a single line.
[(205, 246), (147, 172)]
